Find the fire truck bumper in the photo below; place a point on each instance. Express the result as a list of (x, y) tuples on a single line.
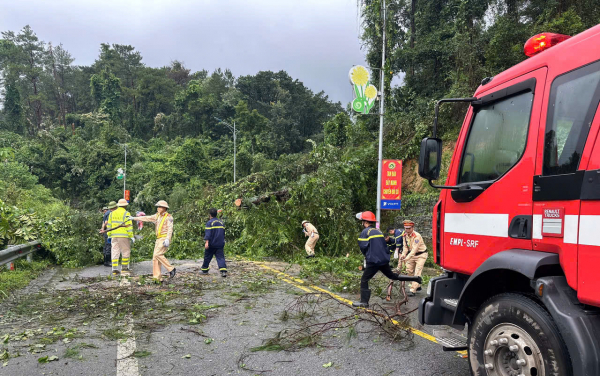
[(438, 307)]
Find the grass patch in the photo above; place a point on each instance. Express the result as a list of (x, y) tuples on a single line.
[(72, 353), (114, 334), (25, 272), (142, 354)]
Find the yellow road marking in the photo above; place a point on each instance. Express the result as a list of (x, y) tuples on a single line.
[(298, 286), (341, 299)]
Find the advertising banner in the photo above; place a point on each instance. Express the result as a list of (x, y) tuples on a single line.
[(391, 184)]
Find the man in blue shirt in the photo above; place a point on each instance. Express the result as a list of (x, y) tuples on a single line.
[(377, 258), (394, 240), (107, 243), (214, 243)]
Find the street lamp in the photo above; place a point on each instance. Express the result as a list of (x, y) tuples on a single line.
[(125, 171), (233, 130)]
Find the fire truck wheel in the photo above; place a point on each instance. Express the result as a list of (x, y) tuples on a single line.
[(513, 335)]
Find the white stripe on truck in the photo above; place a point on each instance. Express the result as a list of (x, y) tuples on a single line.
[(477, 224), (589, 230)]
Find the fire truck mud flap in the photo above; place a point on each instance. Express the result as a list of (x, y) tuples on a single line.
[(438, 307), (580, 328)]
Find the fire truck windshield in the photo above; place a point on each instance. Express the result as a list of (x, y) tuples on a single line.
[(496, 139)]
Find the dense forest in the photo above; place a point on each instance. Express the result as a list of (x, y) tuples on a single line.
[(63, 128)]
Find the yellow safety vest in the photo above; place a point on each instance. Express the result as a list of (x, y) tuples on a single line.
[(116, 218), (159, 234)]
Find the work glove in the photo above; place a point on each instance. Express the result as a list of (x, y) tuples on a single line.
[(133, 240), (167, 243)]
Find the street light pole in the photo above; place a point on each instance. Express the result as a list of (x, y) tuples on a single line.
[(125, 172), (381, 107), (234, 150)]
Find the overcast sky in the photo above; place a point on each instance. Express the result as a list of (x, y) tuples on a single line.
[(315, 41)]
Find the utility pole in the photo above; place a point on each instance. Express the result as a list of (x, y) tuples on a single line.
[(125, 170), (381, 107), (234, 131)]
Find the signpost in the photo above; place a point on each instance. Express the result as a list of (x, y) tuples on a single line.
[(391, 187)]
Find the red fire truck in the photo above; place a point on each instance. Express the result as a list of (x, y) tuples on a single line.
[(517, 226)]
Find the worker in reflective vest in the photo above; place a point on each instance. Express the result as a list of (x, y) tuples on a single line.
[(120, 231), (214, 242), (164, 232)]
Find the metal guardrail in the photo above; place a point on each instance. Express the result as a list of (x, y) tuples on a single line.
[(17, 251)]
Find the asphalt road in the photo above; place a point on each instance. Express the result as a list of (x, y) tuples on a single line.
[(201, 325)]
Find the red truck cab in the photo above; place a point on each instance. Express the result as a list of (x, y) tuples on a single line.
[(517, 226)]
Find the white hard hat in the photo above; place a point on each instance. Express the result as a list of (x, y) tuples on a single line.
[(162, 204)]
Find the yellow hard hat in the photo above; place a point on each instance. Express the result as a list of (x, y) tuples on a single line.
[(162, 204), (122, 202)]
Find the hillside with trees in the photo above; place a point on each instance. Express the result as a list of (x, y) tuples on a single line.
[(299, 155)]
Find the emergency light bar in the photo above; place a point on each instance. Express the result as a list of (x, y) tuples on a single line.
[(543, 41)]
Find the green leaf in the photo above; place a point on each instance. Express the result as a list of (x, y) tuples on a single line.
[(187, 356), (327, 365)]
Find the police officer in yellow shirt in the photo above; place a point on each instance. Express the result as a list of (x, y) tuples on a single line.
[(414, 253), (163, 222)]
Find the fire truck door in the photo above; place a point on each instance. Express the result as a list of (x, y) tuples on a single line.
[(495, 168), (560, 172)]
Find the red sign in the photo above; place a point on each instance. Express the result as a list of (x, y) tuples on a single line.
[(391, 184), (127, 195), (553, 220)]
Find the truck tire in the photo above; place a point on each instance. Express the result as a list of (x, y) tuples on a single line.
[(513, 335)]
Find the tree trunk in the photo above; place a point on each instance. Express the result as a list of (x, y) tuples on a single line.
[(413, 30)]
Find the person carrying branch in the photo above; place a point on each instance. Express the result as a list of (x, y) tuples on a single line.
[(377, 258), (120, 230), (163, 222), (311, 232)]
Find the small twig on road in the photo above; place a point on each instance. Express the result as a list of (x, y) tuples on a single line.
[(242, 365), (194, 331)]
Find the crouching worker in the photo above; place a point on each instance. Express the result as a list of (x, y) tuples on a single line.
[(164, 231), (377, 258)]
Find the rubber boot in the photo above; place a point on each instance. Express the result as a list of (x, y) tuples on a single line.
[(365, 295), (409, 278)]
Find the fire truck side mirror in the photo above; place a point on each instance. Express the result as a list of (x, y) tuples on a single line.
[(430, 158)]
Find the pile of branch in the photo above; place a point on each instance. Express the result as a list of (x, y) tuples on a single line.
[(281, 196), (310, 332)]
